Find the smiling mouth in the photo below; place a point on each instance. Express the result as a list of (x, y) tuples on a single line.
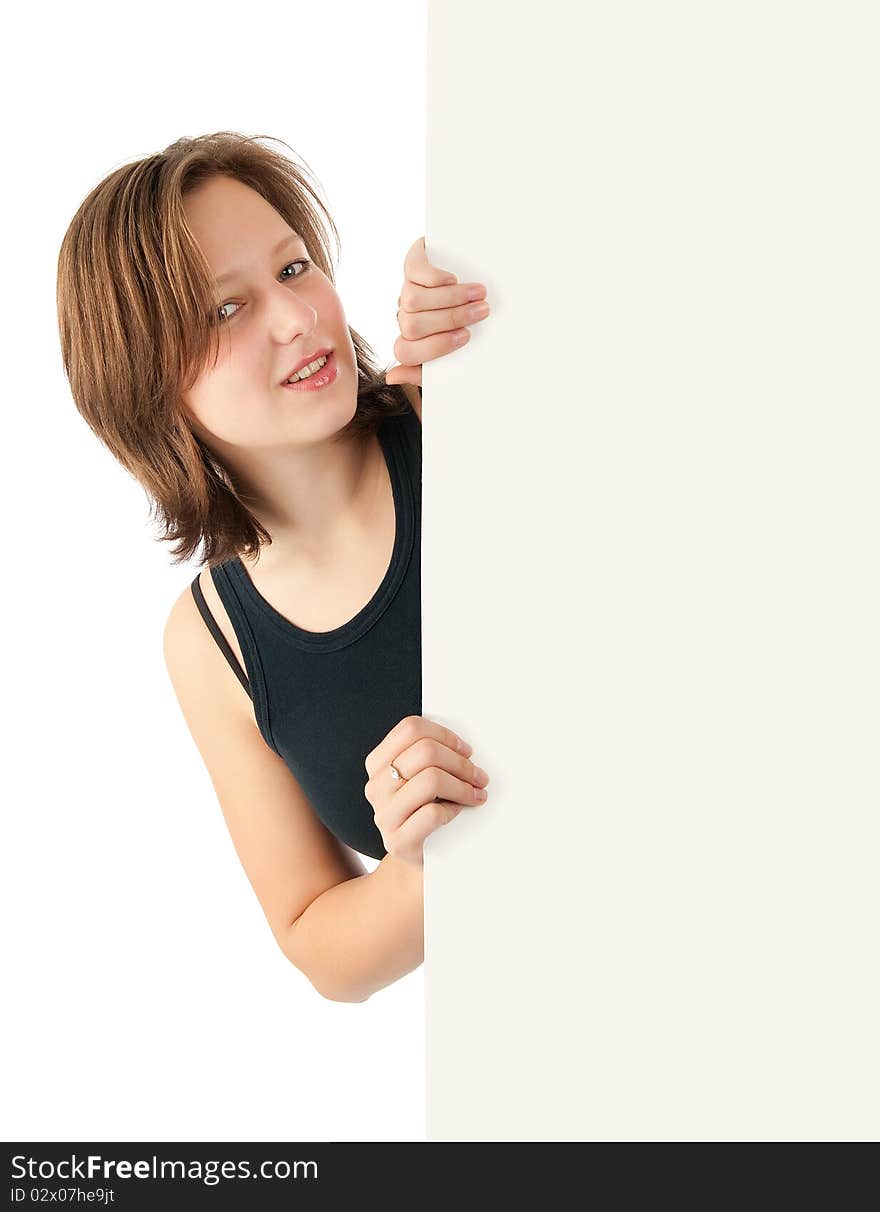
[(318, 356), (323, 376)]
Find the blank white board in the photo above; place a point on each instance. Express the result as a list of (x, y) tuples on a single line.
[(651, 591)]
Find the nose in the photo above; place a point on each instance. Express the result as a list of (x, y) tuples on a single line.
[(289, 315)]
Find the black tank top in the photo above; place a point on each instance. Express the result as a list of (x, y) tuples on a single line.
[(323, 700)]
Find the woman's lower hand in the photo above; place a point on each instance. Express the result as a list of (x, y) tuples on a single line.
[(437, 781), (434, 310)]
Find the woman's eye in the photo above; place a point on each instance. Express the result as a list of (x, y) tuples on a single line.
[(221, 310), (304, 263)]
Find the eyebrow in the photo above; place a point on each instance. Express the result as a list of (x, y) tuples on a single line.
[(234, 273)]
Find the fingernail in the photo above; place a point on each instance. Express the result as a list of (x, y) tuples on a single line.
[(459, 338), (476, 292), (480, 793), (464, 747)]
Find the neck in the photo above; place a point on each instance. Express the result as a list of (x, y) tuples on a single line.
[(312, 501)]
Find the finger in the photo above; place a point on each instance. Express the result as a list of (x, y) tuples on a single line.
[(428, 752), (423, 789), (404, 374), (415, 298), (412, 833), (410, 729), (416, 353), (414, 325), (417, 267)]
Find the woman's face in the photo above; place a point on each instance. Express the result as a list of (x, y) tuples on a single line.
[(277, 308)]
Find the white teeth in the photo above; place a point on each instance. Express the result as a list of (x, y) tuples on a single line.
[(307, 370)]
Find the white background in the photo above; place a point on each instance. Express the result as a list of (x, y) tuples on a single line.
[(145, 996)]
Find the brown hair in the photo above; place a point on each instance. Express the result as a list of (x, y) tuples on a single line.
[(135, 304)]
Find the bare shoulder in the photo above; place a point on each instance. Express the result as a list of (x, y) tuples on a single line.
[(185, 616), (288, 855), (191, 652)]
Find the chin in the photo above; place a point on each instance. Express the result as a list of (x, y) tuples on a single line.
[(337, 414)]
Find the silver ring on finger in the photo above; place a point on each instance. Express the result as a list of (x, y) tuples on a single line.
[(395, 773)]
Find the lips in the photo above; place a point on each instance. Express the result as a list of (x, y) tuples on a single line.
[(319, 353)]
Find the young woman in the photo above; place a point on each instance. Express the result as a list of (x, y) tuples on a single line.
[(206, 345)]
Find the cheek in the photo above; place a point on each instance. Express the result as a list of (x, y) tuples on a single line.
[(236, 370), (329, 306), (221, 402), (334, 324)]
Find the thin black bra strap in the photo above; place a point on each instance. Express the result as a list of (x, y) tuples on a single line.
[(218, 635)]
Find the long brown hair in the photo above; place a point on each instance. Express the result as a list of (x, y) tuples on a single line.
[(135, 305)]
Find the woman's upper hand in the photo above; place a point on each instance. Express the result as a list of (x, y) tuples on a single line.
[(434, 309), (438, 780)]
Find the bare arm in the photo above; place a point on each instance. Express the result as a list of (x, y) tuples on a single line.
[(363, 934), (351, 933)]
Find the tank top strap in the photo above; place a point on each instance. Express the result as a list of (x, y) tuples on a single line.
[(214, 628), (250, 649)]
